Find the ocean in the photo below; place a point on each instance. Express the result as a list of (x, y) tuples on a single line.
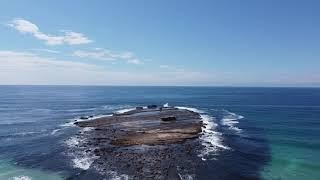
[(254, 133)]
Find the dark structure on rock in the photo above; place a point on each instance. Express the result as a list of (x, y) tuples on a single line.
[(170, 118)]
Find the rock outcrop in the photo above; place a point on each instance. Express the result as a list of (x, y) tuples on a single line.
[(145, 143)]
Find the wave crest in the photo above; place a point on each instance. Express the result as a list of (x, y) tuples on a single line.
[(211, 139), (231, 120), (21, 178)]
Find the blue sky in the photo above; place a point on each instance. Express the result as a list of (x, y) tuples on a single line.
[(167, 42)]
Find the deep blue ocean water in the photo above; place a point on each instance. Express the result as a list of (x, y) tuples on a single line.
[(269, 133)]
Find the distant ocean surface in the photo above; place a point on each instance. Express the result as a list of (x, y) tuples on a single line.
[(258, 133)]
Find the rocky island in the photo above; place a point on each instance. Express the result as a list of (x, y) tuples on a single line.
[(153, 142)]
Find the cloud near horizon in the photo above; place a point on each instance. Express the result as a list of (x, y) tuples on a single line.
[(69, 37), (33, 69), (45, 50), (108, 55), (30, 68)]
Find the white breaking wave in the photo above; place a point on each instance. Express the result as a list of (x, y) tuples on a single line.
[(231, 120), (73, 141), (190, 109), (55, 131), (166, 105), (210, 139), (72, 121), (21, 178), (83, 162), (80, 157), (125, 110)]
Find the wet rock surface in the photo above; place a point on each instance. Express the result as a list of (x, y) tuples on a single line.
[(139, 144)]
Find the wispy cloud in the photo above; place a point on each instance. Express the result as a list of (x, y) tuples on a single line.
[(108, 55), (45, 50), (134, 61), (30, 68), (171, 68), (27, 60), (164, 66), (69, 37)]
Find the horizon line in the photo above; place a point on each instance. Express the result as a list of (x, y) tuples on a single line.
[(203, 86)]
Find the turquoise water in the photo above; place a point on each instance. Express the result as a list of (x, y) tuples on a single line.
[(11, 171), (270, 133), (294, 143)]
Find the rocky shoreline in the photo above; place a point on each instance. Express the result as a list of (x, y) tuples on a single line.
[(145, 143)]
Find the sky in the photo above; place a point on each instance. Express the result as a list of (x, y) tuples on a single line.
[(160, 42)]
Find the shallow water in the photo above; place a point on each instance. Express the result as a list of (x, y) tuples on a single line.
[(252, 133)]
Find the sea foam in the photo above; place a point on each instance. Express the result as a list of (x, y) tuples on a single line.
[(211, 140), (55, 131), (81, 158), (231, 120), (125, 110), (21, 178), (71, 122)]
